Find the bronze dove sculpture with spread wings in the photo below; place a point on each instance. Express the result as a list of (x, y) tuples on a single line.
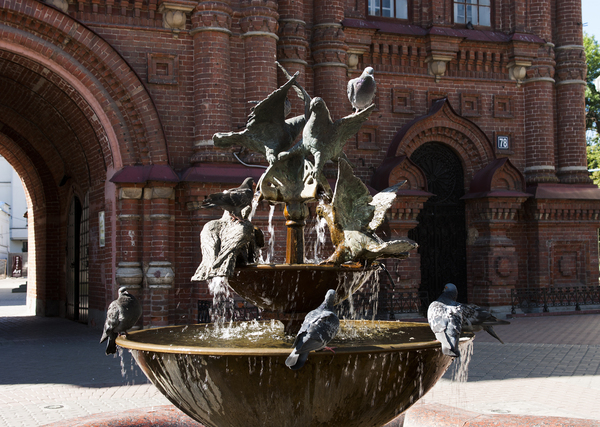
[(324, 138), (354, 215), (267, 131)]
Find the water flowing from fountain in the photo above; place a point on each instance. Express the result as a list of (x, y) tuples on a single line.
[(270, 249)]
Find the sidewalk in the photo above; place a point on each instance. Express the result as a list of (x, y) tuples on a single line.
[(54, 370)]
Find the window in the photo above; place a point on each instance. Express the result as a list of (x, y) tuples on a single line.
[(389, 8), (477, 12)]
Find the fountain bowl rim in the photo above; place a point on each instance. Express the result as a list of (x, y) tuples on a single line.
[(125, 342)]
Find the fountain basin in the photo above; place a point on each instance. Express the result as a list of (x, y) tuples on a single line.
[(296, 288), (379, 370)]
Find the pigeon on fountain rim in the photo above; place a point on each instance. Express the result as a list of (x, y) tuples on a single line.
[(320, 326), (445, 319), (123, 313)]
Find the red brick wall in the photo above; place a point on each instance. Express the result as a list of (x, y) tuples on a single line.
[(163, 94)]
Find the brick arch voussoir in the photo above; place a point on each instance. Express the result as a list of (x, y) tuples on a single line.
[(97, 66), (464, 137)]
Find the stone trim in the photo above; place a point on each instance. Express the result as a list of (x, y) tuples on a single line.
[(217, 29), (572, 82), (260, 33)]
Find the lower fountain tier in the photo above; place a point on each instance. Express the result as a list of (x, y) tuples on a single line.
[(234, 382), (296, 288)]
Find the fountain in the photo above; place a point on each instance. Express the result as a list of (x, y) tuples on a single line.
[(236, 375)]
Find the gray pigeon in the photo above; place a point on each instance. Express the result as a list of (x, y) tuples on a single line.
[(319, 327), (445, 318), (122, 314), (476, 319), (361, 90), (233, 200)]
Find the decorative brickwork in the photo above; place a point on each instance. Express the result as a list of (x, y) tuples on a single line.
[(120, 99)]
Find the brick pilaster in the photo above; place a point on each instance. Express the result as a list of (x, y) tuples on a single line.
[(539, 113), (259, 32), (158, 254), (211, 30), (330, 54), (129, 270), (570, 93), (292, 47), (491, 254)]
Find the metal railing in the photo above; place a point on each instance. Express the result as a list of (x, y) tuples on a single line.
[(528, 299)]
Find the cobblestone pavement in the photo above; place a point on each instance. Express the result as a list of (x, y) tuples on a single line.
[(548, 366), (53, 369)]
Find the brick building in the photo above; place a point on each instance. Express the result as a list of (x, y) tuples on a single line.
[(108, 108)]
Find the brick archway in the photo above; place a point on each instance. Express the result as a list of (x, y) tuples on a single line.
[(443, 125), (72, 113)]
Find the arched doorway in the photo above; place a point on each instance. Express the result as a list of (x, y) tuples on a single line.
[(441, 233)]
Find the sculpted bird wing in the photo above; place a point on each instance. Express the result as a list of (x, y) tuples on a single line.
[(382, 201), (271, 109), (351, 200), (348, 126)]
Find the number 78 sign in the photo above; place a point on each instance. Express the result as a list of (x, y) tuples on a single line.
[(502, 142)]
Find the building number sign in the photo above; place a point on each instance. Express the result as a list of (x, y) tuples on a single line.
[(502, 142)]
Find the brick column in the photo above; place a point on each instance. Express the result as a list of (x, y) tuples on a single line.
[(292, 48), (259, 28), (539, 114), (129, 270), (158, 254), (570, 93), (330, 54), (211, 23)]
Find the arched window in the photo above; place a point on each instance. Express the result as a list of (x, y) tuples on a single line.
[(388, 8), (476, 12)]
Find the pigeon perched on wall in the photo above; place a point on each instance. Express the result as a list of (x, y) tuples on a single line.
[(361, 90), (122, 314), (476, 319), (234, 200), (319, 327), (445, 317)]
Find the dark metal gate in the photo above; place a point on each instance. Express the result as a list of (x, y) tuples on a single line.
[(441, 233), (77, 261)]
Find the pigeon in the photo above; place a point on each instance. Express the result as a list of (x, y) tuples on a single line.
[(361, 90), (319, 327), (354, 215), (476, 319), (324, 138), (226, 244), (267, 130), (122, 314), (470, 26), (234, 200), (445, 317)]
